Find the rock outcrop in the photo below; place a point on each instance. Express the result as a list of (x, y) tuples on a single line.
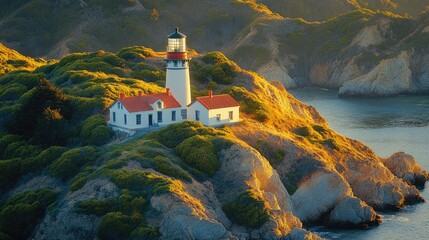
[(389, 77), (353, 212), (404, 166), (66, 222)]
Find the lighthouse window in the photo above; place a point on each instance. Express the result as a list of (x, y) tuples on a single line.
[(119, 105), (231, 116), (159, 104), (125, 119), (175, 63), (159, 117), (218, 117), (114, 117)]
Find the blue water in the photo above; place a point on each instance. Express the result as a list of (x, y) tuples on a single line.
[(386, 125)]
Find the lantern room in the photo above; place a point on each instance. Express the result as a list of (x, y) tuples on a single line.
[(176, 48)]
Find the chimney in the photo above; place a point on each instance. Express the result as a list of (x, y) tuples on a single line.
[(210, 93), (140, 93), (121, 95), (168, 91)]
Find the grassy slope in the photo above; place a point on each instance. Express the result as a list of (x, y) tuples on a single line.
[(11, 60)]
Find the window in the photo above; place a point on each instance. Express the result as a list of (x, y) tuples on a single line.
[(114, 116), (138, 119), (231, 115), (184, 113), (159, 104), (173, 116), (175, 63), (119, 105), (197, 115), (159, 117), (125, 119), (218, 117), (122, 106)]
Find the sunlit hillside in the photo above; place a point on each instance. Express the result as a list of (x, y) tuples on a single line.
[(65, 174)]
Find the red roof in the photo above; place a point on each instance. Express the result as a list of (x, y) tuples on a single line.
[(142, 103), (217, 101)]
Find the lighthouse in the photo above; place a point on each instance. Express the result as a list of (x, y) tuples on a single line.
[(177, 77)]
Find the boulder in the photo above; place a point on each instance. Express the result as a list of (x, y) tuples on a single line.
[(353, 212), (404, 166)]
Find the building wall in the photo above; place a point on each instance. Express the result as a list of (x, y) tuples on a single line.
[(209, 117), (177, 80), (204, 113), (224, 116), (131, 117)]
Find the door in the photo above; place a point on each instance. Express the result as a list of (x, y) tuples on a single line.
[(150, 120)]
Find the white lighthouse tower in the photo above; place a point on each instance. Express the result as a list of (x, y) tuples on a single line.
[(177, 79)]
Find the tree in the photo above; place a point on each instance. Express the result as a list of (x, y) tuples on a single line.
[(45, 105)]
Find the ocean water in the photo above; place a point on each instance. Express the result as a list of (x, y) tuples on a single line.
[(386, 125)]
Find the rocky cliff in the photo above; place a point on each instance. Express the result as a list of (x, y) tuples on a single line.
[(268, 176)]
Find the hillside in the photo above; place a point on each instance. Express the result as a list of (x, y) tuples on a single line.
[(347, 47), (65, 174), (11, 60), (313, 10)]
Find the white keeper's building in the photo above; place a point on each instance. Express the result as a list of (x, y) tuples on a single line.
[(131, 113)]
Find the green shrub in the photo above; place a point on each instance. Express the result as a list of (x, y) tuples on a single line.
[(303, 131), (20, 214), (320, 129), (71, 161), (274, 156), (96, 207), (44, 158), (174, 134), (145, 233), (200, 153), (164, 166), (10, 172), (143, 182), (212, 85), (331, 143), (116, 225), (80, 180), (247, 210), (6, 140)]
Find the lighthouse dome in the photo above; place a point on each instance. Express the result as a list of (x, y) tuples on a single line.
[(177, 34)]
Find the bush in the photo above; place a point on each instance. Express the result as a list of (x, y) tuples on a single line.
[(200, 153), (80, 180), (94, 131), (303, 131), (20, 213), (142, 182), (10, 172), (71, 161), (174, 134), (247, 210), (274, 156), (164, 166), (116, 225), (145, 233), (44, 158)]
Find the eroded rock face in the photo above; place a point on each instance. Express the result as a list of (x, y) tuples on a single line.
[(243, 168), (319, 194), (390, 77), (66, 223), (404, 166), (182, 219), (352, 212)]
